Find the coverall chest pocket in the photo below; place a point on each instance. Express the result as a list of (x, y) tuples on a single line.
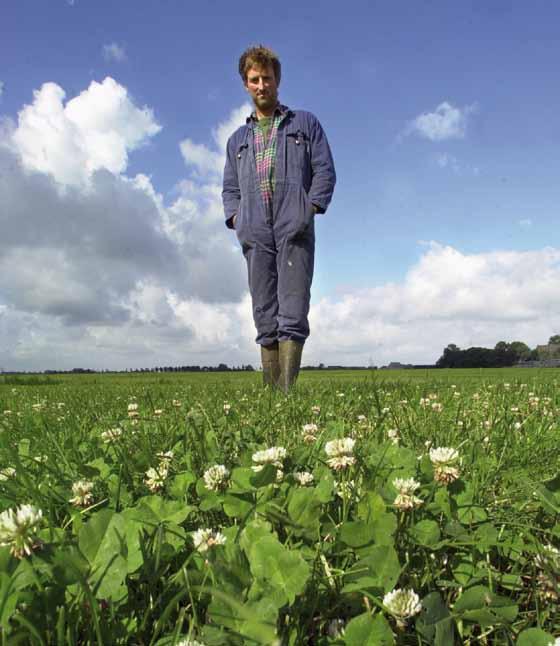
[(243, 166), (298, 155)]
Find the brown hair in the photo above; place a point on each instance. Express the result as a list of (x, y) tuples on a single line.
[(261, 56)]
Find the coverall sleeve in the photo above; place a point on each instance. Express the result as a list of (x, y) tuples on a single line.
[(231, 193), (322, 167)]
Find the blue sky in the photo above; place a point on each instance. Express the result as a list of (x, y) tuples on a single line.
[(442, 118)]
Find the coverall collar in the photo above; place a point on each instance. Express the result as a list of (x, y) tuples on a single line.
[(280, 109)]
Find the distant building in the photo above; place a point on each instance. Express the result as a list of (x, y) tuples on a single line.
[(397, 365), (548, 351)]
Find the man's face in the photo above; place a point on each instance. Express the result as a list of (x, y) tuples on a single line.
[(261, 85)]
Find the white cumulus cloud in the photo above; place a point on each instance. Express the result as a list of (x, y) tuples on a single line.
[(114, 52), (106, 260), (95, 130), (445, 122), (446, 297), (210, 160)]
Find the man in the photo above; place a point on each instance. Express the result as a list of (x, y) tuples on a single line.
[(279, 173)]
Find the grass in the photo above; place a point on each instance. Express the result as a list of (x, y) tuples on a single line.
[(300, 564)]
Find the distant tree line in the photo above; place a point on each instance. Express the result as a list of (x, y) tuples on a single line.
[(222, 367), (502, 355)]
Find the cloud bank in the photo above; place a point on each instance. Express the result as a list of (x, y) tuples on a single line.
[(446, 297), (90, 253)]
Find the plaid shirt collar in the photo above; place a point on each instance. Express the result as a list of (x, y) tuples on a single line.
[(280, 109)]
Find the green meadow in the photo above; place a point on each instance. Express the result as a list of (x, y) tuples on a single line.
[(368, 507)]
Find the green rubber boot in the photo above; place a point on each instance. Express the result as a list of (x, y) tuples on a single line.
[(270, 364), (290, 361)]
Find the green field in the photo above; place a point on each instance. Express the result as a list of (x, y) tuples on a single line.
[(368, 507)]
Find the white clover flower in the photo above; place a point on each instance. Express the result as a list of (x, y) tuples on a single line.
[(82, 493), (445, 461), (316, 410), (424, 402), (437, 407), (216, 477), (165, 458), (6, 473), (309, 433), (274, 455), (8, 412), (227, 408), (406, 499), (393, 435), (404, 502), (304, 478), (155, 478), (204, 539), (189, 642), (406, 485), (133, 410), (342, 446), (340, 452), (112, 435), (17, 528), (158, 412), (176, 403), (402, 604)]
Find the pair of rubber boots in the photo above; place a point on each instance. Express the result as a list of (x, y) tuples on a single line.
[(281, 361)]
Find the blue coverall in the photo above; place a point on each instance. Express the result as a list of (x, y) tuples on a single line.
[(280, 248)]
